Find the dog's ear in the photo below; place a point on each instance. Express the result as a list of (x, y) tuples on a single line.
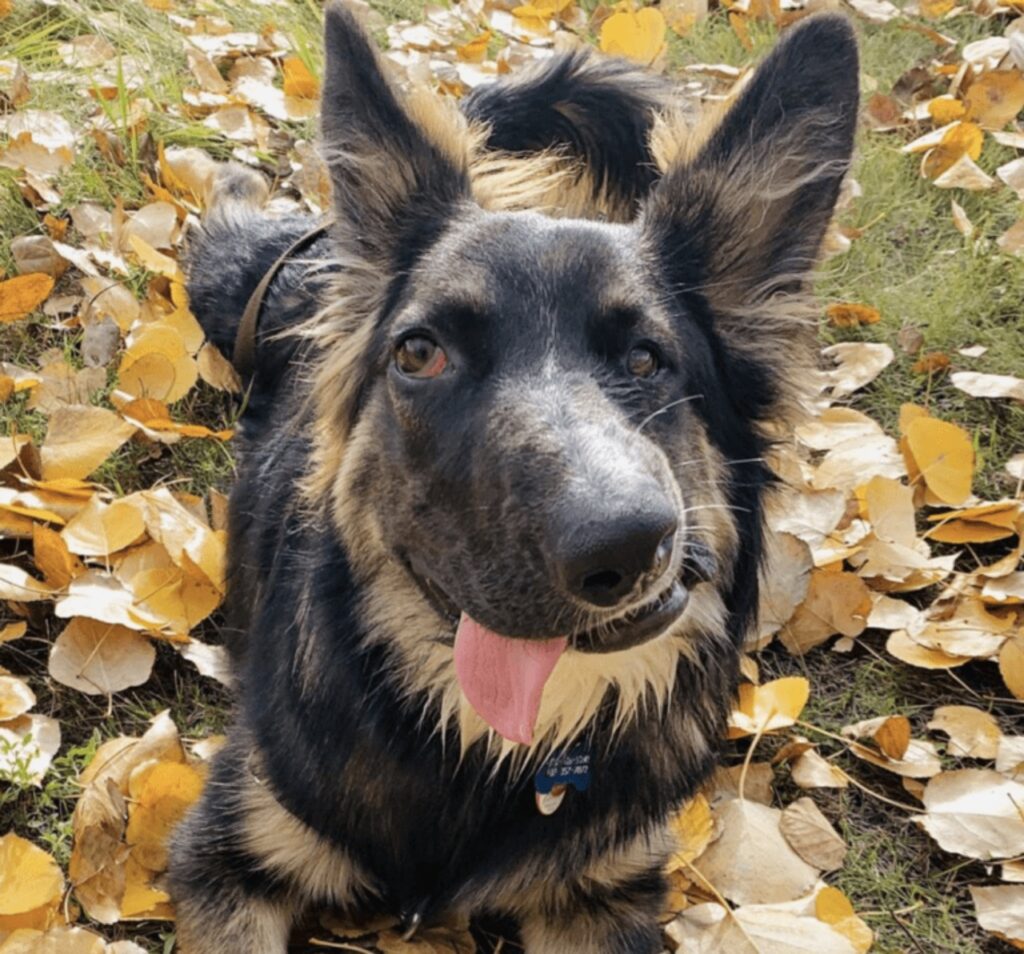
[(741, 223), (392, 175)]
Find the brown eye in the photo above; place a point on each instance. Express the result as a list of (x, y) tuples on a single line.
[(419, 357), (642, 362)]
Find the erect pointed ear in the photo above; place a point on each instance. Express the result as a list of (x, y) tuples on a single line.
[(393, 175), (741, 224)]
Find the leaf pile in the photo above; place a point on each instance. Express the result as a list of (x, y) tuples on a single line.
[(871, 531)]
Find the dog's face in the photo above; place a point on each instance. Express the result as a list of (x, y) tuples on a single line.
[(562, 411), (544, 473)]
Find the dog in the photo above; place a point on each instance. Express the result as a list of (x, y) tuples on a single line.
[(497, 528)]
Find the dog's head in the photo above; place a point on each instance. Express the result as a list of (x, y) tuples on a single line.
[(553, 424)]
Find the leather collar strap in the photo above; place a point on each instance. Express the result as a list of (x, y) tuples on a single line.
[(244, 356)]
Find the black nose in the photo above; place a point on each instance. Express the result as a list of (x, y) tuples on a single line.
[(601, 560)]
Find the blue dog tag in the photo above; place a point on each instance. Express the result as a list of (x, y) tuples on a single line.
[(557, 774)]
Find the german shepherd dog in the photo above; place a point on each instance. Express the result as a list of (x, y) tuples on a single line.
[(496, 534)]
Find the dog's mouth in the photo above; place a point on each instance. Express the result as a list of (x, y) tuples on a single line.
[(503, 677)]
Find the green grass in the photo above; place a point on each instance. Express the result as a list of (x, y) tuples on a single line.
[(910, 262)]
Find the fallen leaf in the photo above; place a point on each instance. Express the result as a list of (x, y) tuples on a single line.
[(858, 363), (851, 315), (972, 732), (1011, 665), (22, 295), (944, 456), (995, 98), (774, 705), (834, 908), (27, 747), (16, 698), (989, 385), (835, 603), (31, 884), (100, 658), (811, 836), (79, 439), (749, 844), (1000, 910), (298, 81), (976, 813), (810, 770), (636, 35)]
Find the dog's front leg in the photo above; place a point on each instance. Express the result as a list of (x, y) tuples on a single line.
[(596, 918)]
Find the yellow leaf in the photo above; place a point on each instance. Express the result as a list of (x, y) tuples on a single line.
[(158, 365), (20, 296), (141, 900), (475, 50), (775, 705), (961, 139), (160, 795), (638, 36), (100, 529), (29, 877), (945, 109), (851, 315), (79, 439), (944, 456), (52, 557), (930, 363), (1011, 665), (835, 603), (154, 261), (692, 827), (12, 631), (995, 98), (834, 908), (298, 81)]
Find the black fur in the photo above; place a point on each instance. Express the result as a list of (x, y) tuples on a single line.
[(600, 111), (463, 488)]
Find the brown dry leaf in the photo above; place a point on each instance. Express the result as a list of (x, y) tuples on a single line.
[(12, 631), (851, 315), (972, 733), (989, 385), (835, 603), (216, 370), (80, 438), (636, 35), (774, 705), (976, 813), (995, 98), (16, 697), (100, 658), (52, 557), (751, 843), (944, 456), (1011, 665), (811, 836), (22, 295), (157, 364), (1000, 910), (1012, 240), (31, 885), (964, 173), (893, 737), (930, 363)]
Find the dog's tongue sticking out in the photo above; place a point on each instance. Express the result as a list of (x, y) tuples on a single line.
[(504, 678)]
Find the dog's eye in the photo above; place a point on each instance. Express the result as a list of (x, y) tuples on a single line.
[(419, 357), (642, 362)]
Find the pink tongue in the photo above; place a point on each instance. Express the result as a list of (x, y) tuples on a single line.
[(504, 678)]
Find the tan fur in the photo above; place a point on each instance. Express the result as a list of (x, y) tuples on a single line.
[(292, 850), (266, 924)]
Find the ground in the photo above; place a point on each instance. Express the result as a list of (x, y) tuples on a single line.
[(907, 260)]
